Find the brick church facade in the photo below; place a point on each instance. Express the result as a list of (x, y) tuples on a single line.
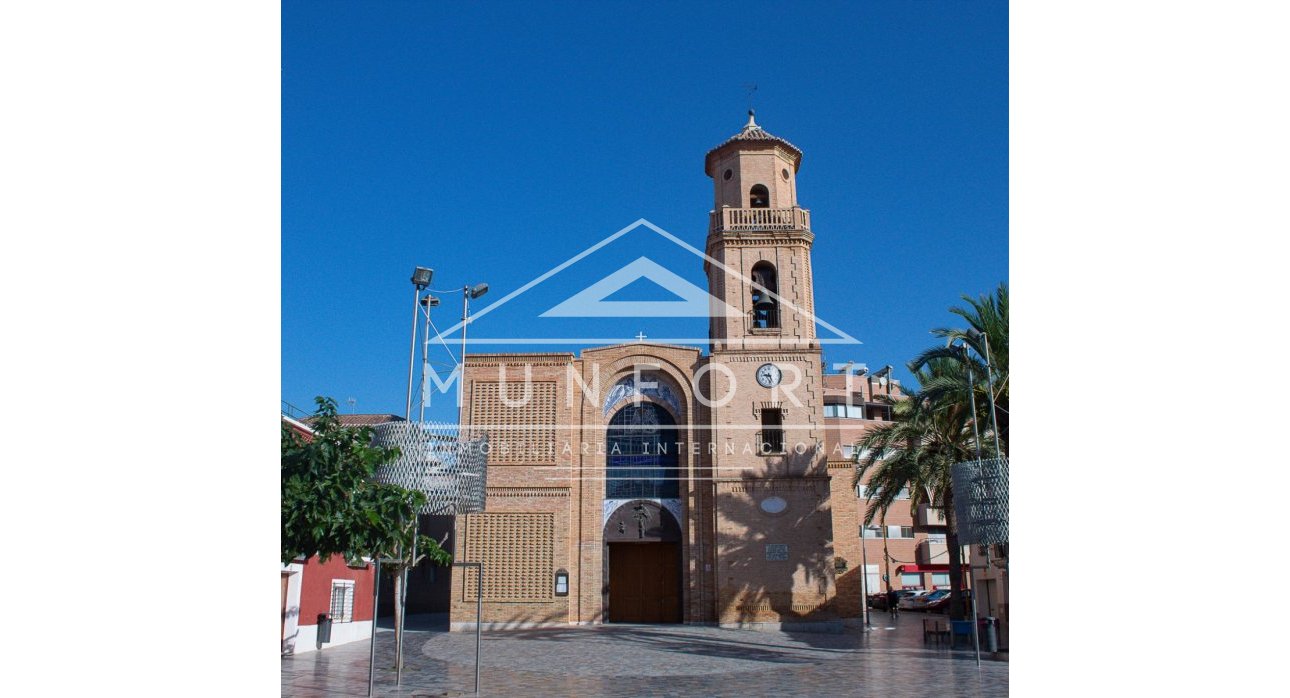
[(658, 483)]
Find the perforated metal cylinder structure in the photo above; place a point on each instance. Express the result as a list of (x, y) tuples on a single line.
[(434, 460), (981, 501)]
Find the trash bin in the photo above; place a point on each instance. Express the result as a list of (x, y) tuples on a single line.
[(989, 629), (960, 629), (324, 629)]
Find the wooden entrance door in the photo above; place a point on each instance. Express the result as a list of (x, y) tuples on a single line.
[(644, 583)]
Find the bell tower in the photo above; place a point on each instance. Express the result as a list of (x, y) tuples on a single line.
[(770, 480), (762, 240)]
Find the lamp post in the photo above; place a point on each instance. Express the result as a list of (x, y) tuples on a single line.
[(468, 293), (427, 303), (420, 281), (984, 339), (864, 573), (976, 442), (971, 386)]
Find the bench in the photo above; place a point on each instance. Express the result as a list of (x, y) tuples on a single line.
[(936, 627)]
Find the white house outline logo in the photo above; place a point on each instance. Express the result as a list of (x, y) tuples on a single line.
[(593, 301), (695, 302)]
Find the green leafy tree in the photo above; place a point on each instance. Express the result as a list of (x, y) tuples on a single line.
[(917, 450), (331, 505)]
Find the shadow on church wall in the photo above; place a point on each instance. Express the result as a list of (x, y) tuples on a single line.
[(758, 579)]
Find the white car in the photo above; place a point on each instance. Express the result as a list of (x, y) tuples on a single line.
[(907, 601)]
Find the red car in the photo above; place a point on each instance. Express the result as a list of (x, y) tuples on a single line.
[(938, 605)]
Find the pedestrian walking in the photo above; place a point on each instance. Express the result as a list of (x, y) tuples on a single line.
[(893, 602)]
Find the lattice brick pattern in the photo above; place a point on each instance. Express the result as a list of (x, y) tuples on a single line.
[(517, 552), (520, 433)]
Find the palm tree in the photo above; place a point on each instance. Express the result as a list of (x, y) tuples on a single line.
[(917, 450), (987, 319)]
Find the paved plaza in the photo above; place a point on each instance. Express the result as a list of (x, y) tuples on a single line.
[(653, 660)]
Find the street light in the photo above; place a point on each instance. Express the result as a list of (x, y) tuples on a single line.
[(420, 281), (971, 386), (864, 571), (427, 302), (468, 293), (984, 340)]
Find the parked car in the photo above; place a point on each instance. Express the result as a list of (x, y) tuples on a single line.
[(878, 601), (907, 601), (923, 602), (941, 604)]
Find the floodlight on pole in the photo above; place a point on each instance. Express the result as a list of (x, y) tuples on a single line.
[(428, 301), (420, 281), (467, 294), (971, 383), (983, 340)]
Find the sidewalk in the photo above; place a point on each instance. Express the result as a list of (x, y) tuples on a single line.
[(671, 660)]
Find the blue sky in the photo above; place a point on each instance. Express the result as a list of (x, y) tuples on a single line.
[(492, 141)]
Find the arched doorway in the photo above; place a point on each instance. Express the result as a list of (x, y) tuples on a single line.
[(643, 556), (642, 538)]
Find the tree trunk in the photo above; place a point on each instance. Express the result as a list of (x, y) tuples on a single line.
[(398, 617), (956, 559)]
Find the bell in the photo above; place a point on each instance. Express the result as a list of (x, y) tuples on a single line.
[(764, 304)]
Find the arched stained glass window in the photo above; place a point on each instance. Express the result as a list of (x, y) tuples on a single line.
[(642, 454)]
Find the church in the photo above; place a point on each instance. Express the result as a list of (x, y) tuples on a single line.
[(656, 483)]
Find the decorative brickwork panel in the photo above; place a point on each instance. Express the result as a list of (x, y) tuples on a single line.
[(520, 422), (517, 551)]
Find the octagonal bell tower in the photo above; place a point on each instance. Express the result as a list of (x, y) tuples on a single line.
[(762, 239), (770, 485)]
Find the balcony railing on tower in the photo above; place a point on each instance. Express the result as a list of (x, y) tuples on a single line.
[(750, 219)]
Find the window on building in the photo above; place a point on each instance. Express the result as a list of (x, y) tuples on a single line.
[(843, 410), (903, 493), (911, 580), (848, 451), (772, 431), (642, 455), (342, 600), (759, 196), (938, 538), (765, 287), (895, 531), (872, 531), (873, 580), (940, 579)]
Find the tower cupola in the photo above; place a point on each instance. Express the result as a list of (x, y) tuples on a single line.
[(754, 169)]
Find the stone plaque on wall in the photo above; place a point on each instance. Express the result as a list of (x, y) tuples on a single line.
[(777, 551)]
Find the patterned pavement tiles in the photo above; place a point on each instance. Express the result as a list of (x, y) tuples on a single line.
[(655, 660)]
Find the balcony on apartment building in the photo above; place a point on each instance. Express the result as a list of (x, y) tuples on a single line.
[(933, 551), (734, 220), (931, 516)]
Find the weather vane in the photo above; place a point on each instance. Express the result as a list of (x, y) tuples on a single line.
[(751, 88)]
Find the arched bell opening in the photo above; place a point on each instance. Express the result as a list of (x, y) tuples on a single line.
[(765, 289)]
